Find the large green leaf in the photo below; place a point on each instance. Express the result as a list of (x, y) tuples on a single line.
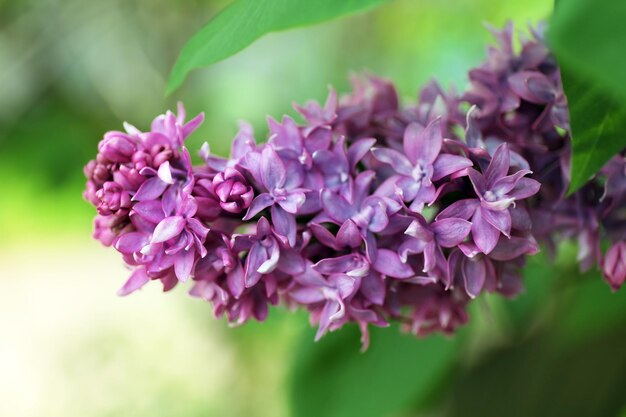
[(588, 37), (244, 21), (333, 379), (598, 124)]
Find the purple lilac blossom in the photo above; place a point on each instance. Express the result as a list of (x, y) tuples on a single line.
[(368, 212)]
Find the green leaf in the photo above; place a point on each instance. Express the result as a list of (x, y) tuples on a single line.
[(244, 21), (588, 38), (598, 124), (332, 378)]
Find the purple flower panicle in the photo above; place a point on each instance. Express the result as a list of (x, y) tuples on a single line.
[(367, 212)]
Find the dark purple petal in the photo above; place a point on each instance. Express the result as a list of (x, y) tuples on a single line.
[(478, 181), (501, 220), (508, 249), (474, 274), (485, 235)]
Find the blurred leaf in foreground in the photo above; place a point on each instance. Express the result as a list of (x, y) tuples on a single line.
[(244, 21), (332, 378), (587, 37)]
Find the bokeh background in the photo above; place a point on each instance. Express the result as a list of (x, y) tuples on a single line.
[(72, 69)]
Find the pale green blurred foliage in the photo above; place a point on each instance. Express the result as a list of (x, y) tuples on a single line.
[(72, 69)]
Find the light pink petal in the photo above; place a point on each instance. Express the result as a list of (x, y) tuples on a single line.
[(168, 228), (184, 264), (137, 279)]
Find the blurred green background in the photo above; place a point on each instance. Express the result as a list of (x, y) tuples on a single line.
[(72, 69)]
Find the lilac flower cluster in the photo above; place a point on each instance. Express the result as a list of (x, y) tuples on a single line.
[(520, 100), (368, 212)]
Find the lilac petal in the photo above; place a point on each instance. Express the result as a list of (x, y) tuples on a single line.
[(399, 162), (474, 274), (331, 309), (501, 220), (508, 249), (358, 150), (150, 210), (324, 236), (291, 262), (165, 173), (423, 144), (307, 295), (310, 277), (505, 184), (236, 281), (340, 264), (485, 235), (130, 243), (184, 264), (349, 235), (272, 169), (260, 202), (451, 232), (410, 247), (284, 224), (431, 256), (256, 257), (373, 288), (292, 202), (137, 279), (524, 188), (462, 209), (272, 262), (388, 263), (192, 125), (478, 181), (419, 231), (150, 190), (447, 164), (532, 86), (168, 228), (336, 206), (499, 165), (346, 285)]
